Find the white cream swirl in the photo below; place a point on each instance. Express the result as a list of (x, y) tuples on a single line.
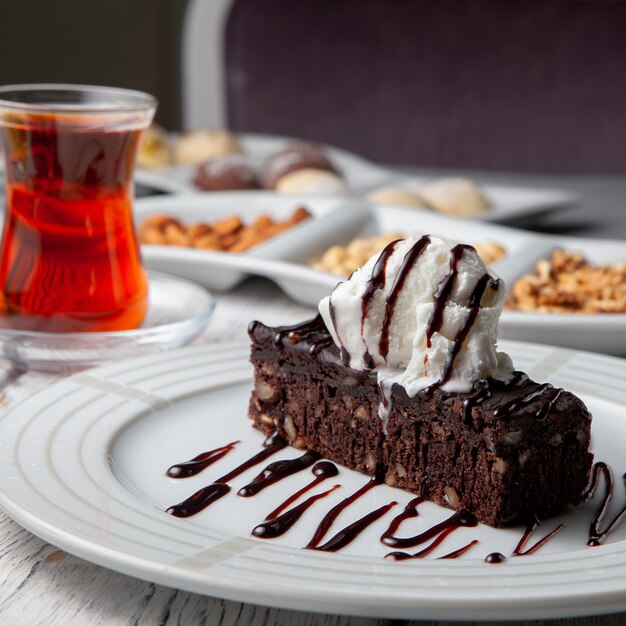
[(422, 312)]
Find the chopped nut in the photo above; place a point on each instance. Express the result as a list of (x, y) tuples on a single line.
[(294, 407), (500, 466), (523, 457), (263, 390), (400, 470), (568, 283), (175, 235), (300, 443), (451, 496), (343, 261), (511, 438), (361, 412), (266, 419), (391, 480), (226, 235), (268, 368), (290, 428), (199, 230), (227, 226), (370, 462)]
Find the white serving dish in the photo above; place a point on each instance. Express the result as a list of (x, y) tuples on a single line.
[(515, 204), (338, 221)]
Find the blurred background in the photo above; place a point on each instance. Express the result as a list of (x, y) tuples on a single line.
[(515, 85)]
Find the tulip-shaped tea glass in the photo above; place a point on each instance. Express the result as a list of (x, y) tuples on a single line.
[(69, 257)]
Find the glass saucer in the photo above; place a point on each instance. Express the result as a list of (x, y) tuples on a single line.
[(178, 311)]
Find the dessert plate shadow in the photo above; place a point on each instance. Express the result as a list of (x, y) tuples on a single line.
[(83, 462)]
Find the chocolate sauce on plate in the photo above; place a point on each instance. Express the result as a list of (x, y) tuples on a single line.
[(438, 532), (334, 513), (462, 518), (455, 554), (597, 536), (278, 470), (520, 549), (495, 558), (202, 498), (278, 526), (532, 526), (348, 534), (198, 463), (321, 470)]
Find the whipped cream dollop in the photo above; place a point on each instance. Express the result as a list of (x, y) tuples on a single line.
[(422, 312)]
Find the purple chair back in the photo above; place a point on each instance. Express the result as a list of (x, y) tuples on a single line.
[(527, 85)]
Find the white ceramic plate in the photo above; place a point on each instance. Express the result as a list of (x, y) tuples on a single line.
[(509, 203), (82, 465), (285, 259)]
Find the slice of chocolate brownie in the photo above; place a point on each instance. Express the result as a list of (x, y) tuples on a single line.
[(504, 451)]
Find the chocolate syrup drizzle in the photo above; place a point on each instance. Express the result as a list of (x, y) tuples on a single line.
[(200, 462), (348, 534), (343, 353), (475, 297), (597, 536), (455, 554), (530, 529), (294, 333), (459, 519), (520, 549), (438, 532), (333, 514), (444, 290), (278, 470), (540, 393), (392, 297), (280, 521), (202, 498), (483, 388), (278, 526), (321, 470), (376, 281)]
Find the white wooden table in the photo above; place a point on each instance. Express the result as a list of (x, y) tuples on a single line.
[(41, 585)]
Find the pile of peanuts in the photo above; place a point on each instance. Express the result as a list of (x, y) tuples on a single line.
[(227, 235), (567, 283), (342, 261)]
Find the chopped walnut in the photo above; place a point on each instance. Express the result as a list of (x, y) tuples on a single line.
[(568, 283)]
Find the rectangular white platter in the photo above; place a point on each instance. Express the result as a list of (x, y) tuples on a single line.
[(284, 259), (521, 205), (360, 174)]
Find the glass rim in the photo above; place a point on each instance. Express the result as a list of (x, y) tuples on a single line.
[(130, 100)]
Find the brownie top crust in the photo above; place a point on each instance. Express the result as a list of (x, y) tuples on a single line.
[(518, 402)]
